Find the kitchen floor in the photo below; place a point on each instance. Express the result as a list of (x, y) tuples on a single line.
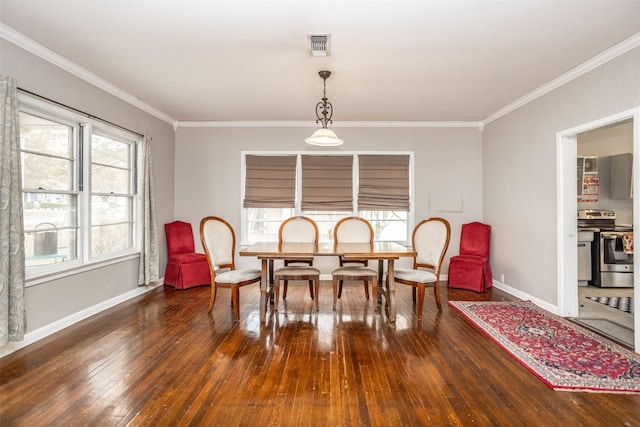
[(614, 323)]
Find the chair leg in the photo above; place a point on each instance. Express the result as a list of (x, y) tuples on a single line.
[(436, 291), (420, 299), (284, 292), (340, 289), (335, 292), (235, 301), (317, 289), (213, 296), (366, 288), (311, 288), (413, 292), (276, 292)]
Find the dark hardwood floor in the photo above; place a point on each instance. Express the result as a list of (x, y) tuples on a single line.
[(162, 360)]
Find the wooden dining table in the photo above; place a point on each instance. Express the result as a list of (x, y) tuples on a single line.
[(268, 252)]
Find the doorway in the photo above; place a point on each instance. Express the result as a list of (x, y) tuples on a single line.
[(593, 140)]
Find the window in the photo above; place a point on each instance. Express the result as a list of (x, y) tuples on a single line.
[(112, 195), (79, 188), (327, 187)]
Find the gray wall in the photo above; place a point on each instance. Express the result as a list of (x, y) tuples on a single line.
[(52, 301), (448, 166), (519, 158)]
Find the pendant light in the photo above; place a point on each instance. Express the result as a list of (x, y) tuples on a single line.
[(324, 136)]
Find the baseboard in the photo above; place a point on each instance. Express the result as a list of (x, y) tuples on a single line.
[(524, 296), (52, 328)]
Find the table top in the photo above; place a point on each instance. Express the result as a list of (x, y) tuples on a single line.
[(378, 250)]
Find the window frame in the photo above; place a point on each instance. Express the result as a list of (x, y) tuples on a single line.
[(298, 187), (83, 128)]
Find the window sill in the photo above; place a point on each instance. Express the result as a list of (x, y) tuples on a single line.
[(38, 279)]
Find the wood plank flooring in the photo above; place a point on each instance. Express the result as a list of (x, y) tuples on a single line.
[(162, 360)]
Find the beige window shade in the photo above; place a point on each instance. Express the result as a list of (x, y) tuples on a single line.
[(327, 183), (383, 182), (270, 182)]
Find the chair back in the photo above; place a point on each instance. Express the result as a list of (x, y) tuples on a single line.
[(474, 239), (298, 229), (179, 238), (219, 242), (353, 229), (430, 241)]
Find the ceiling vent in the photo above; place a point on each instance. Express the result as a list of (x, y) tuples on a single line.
[(319, 44)]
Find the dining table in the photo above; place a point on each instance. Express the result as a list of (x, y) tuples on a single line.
[(268, 252)]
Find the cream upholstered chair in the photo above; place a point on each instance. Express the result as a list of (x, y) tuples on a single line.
[(354, 230), (297, 229), (430, 242), (219, 242)]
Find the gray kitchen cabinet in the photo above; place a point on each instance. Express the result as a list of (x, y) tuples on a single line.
[(621, 176)]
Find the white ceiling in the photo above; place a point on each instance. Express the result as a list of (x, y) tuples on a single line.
[(391, 60)]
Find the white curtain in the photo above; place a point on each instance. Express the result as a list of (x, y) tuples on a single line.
[(12, 311), (149, 261)]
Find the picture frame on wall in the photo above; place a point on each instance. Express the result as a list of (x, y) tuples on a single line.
[(590, 165)]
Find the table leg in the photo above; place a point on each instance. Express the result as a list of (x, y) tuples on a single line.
[(271, 298), (380, 280), (264, 290), (391, 292)]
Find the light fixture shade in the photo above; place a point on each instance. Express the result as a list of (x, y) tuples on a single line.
[(324, 137)]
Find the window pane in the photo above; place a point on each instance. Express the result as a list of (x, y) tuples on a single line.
[(46, 246), (47, 173), (50, 222), (264, 223), (110, 238), (45, 136), (110, 210), (58, 209), (326, 222), (108, 151), (388, 225), (105, 179)]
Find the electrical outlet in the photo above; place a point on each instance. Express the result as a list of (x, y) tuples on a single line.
[(501, 277)]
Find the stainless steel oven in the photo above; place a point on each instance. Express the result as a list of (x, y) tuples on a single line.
[(611, 265), (616, 265)]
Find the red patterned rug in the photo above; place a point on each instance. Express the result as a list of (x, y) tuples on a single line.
[(563, 355)]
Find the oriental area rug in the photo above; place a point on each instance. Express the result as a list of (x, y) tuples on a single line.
[(561, 354)]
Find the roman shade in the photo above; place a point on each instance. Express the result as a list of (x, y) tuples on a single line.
[(270, 182), (327, 183), (383, 183)]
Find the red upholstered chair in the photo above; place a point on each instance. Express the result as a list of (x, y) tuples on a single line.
[(185, 267), (471, 270)]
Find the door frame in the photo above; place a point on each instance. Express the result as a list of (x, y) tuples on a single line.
[(567, 205)]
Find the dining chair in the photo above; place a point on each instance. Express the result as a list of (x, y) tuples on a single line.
[(430, 241), (470, 269), (354, 230), (219, 242), (186, 268), (297, 229)]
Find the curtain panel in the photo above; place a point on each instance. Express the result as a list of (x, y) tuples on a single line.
[(383, 183), (270, 182), (12, 265), (149, 268), (327, 183)]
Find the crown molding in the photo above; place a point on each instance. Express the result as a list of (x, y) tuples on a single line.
[(344, 124), (37, 49), (582, 69)]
